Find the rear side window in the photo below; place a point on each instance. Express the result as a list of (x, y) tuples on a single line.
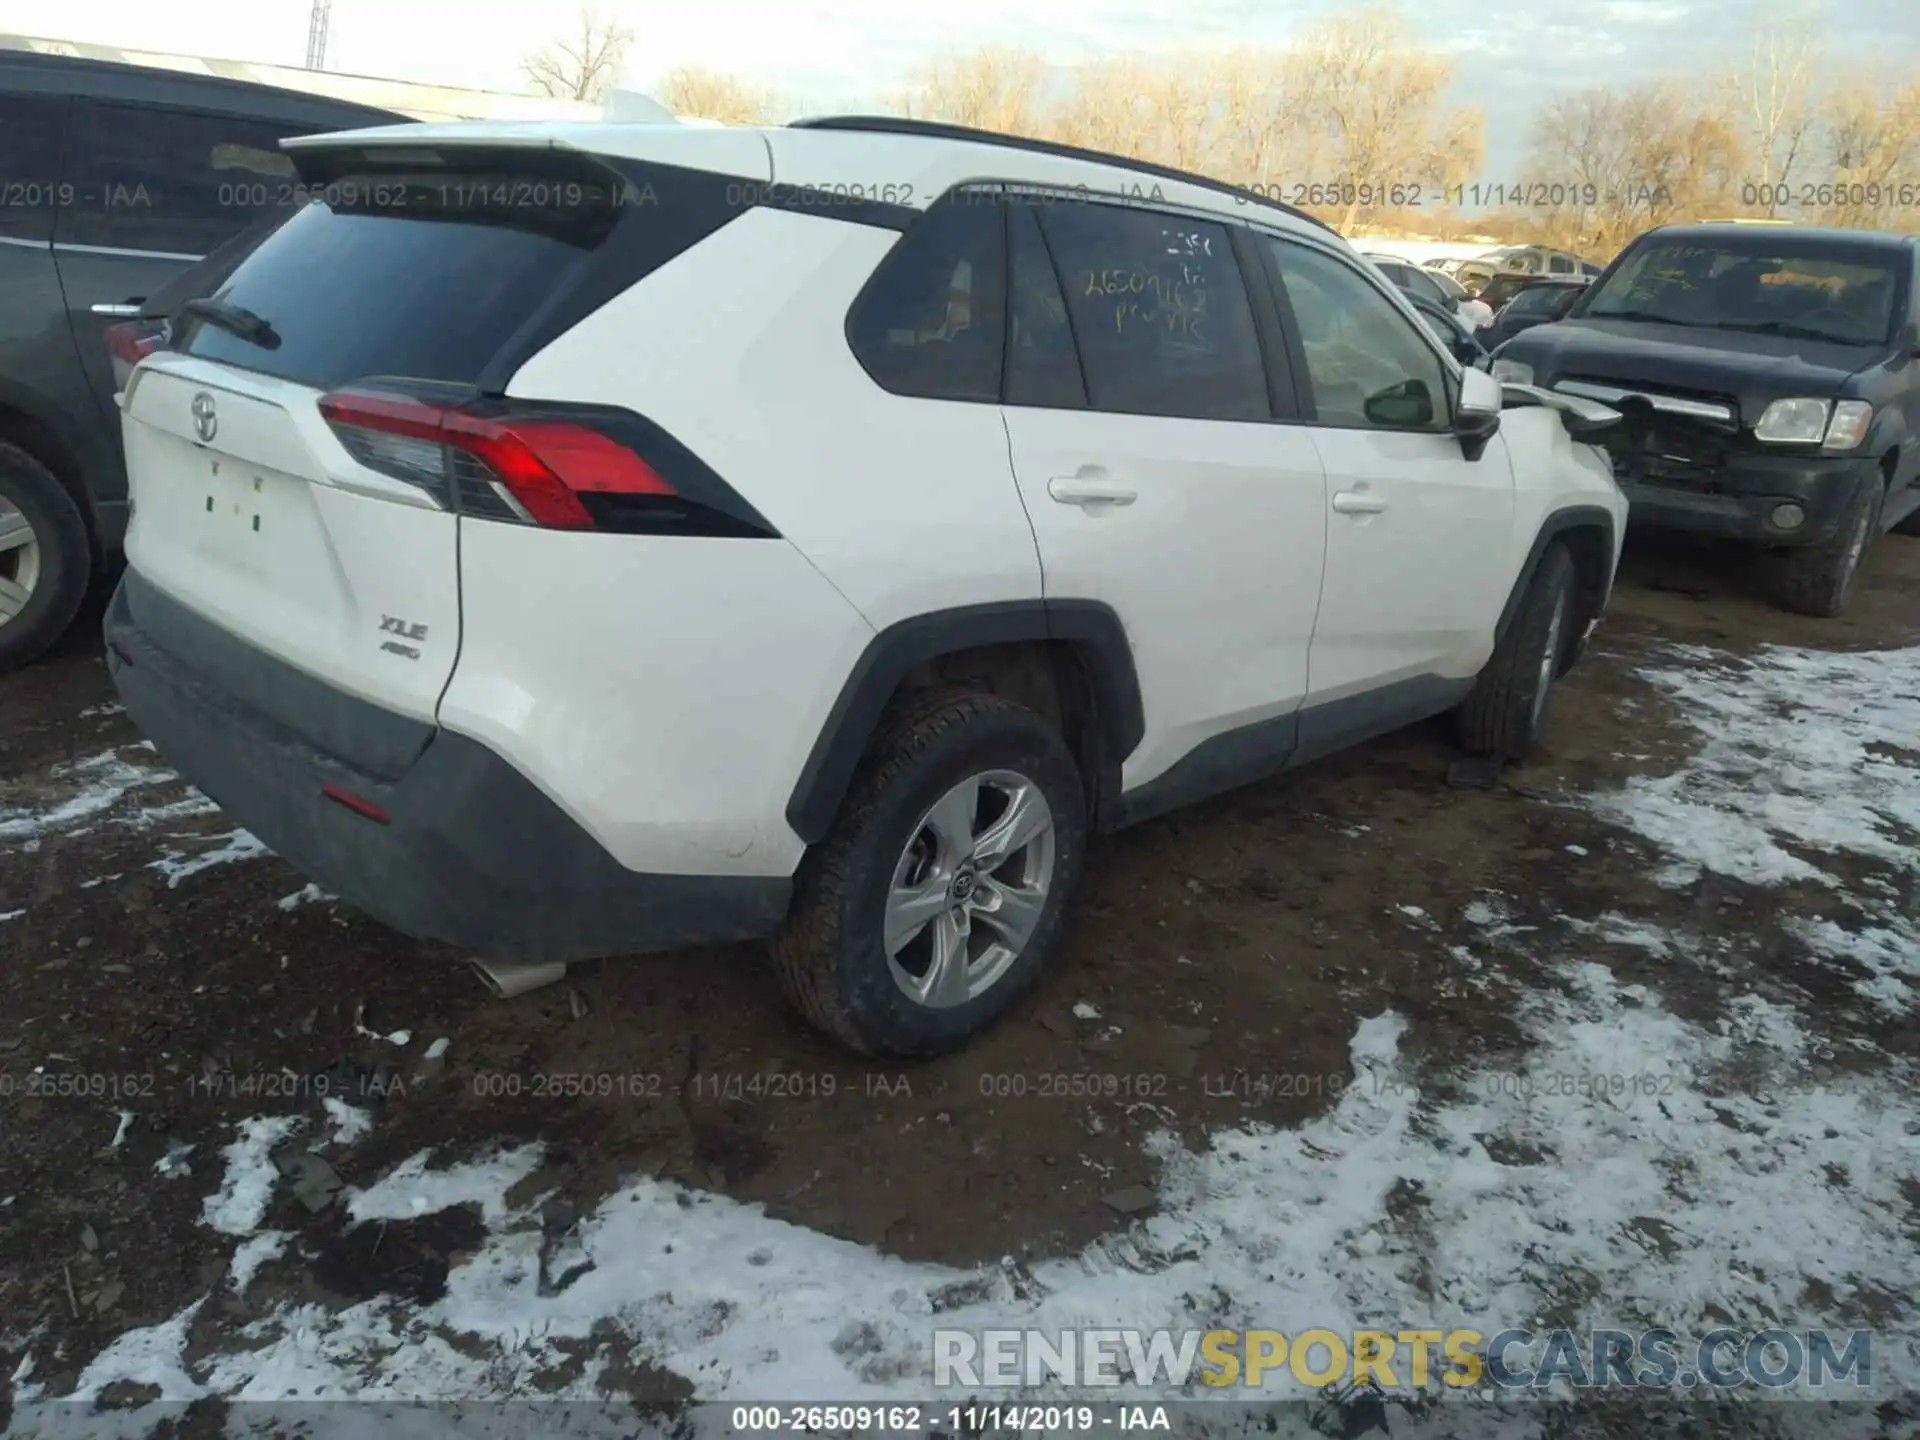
[(1537, 301), (32, 187), (1160, 311), (930, 321), (1043, 367), (178, 182), (1419, 282), (427, 276)]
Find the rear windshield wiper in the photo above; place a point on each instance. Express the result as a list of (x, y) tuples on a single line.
[(235, 320)]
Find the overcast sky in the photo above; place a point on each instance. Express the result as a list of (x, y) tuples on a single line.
[(832, 54)]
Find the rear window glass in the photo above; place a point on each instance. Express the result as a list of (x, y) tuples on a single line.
[(425, 277)]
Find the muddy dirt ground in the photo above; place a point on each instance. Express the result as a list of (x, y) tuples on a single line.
[(1214, 974)]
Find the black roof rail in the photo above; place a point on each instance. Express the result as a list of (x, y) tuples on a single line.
[(940, 130)]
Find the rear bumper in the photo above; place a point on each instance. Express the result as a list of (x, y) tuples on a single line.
[(1745, 493), (473, 854)]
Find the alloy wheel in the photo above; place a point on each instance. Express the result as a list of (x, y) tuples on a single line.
[(969, 889)]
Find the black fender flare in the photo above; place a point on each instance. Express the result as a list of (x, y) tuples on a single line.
[(1090, 626), (1558, 523), (1889, 432)]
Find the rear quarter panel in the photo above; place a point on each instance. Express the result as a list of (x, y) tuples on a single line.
[(717, 662)]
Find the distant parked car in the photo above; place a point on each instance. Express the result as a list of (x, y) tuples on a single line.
[(1502, 288), (117, 178), (1473, 310), (1442, 290), (1516, 260), (1536, 302), (1455, 333), (1770, 382)]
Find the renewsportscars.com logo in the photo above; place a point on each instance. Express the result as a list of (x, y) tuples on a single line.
[(1401, 1360)]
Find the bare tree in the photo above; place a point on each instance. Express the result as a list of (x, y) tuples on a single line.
[(1776, 94), (1384, 106), (1621, 161), (1872, 134), (584, 67), (1113, 105), (715, 95), (995, 88), (1266, 122)]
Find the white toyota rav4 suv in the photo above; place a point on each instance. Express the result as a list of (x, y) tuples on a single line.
[(567, 541)]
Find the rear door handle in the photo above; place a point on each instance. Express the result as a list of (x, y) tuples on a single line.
[(1076, 490), (1358, 502), (121, 311)]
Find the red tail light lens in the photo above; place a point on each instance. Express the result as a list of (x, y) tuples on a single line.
[(132, 341), (533, 470)]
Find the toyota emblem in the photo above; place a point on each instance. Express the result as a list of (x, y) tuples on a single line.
[(205, 424)]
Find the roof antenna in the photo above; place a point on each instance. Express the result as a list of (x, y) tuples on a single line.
[(317, 34)]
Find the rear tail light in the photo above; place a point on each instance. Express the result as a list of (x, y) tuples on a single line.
[(543, 468), (132, 341)]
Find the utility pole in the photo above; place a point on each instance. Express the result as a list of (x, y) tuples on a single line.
[(317, 34)]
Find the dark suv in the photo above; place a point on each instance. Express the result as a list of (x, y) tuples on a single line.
[(117, 178), (1771, 381)]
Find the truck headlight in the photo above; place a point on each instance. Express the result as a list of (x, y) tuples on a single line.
[(1513, 372), (1850, 421), (1793, 422)]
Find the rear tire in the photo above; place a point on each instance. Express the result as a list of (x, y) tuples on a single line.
[(45, 566), (1506, 713), (899, 851), (1818, 579)]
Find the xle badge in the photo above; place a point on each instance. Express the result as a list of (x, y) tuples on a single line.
[(394, 625)]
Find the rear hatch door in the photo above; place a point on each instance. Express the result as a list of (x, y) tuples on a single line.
[(412, 270)]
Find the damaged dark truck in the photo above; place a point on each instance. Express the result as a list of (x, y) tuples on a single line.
[(1770, 380)]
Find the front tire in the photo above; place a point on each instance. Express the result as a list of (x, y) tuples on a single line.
[(1818, 580), (937, 898), (1506, 713), (45, 558)]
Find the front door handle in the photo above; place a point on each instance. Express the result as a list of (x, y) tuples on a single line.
[(1073, 490), (1358, 502), (118, 311)]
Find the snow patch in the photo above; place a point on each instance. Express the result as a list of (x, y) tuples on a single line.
[(1674, 1201), (177, 865), (98, 783), (350, 1122), (1802, 745), (308, 894), (255, 1251), (411, 1190), (241, 1202)]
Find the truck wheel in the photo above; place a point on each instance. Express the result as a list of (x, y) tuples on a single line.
[(1818, 580), (45, 558), (1506, 713), (936, 899)]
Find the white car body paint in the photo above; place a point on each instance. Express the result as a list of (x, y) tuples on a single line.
[(667, 691)]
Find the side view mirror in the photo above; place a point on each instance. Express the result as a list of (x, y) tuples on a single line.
[(1477, 420)]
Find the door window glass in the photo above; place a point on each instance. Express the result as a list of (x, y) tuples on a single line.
[(1160, 310), (1368, 366)]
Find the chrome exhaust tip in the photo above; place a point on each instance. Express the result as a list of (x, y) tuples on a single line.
[(508, 978)]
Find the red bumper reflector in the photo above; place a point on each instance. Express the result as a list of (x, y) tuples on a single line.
[(359, 804)]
